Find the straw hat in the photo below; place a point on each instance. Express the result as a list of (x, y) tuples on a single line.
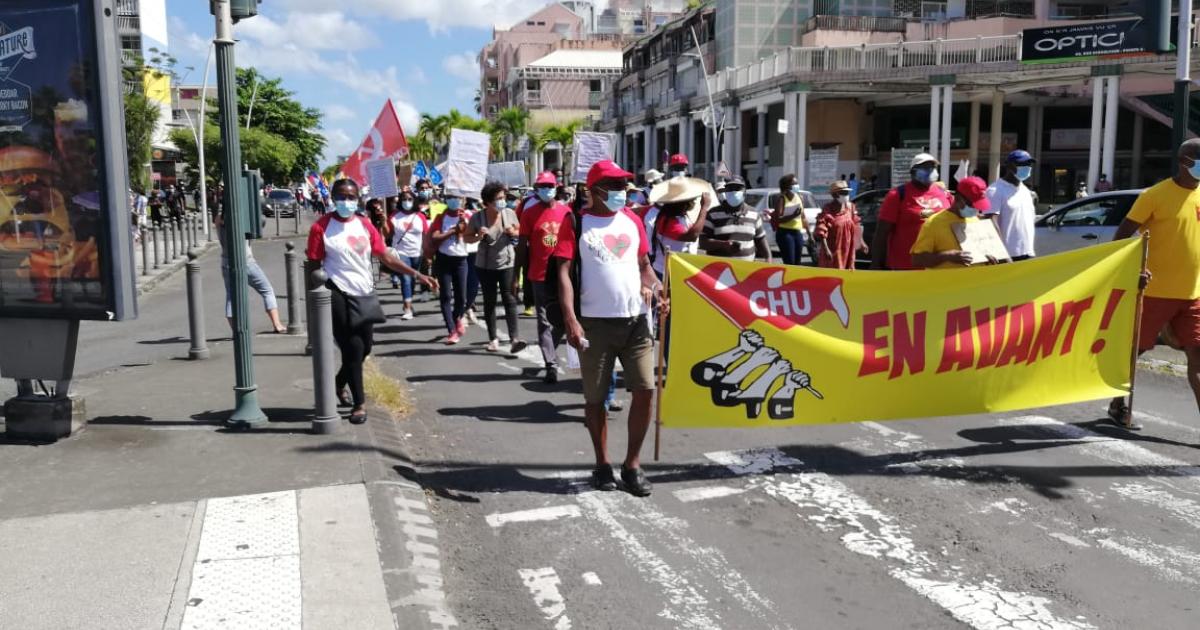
[(679, 189), (838, 186)]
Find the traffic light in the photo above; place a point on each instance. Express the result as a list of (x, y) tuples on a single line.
[(242, 9)]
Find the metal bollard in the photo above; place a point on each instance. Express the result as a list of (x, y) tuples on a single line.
[(293, 290), (310, 283), (296, 219), (195, 304), (145, 251), (188, 236), (195, 230), (154, 232), (169, 243), (181, 247), (325, 419), (209, 227), (277, 211)]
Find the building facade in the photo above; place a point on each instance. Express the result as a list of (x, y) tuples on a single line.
[(866, 80), (142, 30)]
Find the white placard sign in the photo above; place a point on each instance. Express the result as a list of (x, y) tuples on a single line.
[(381, 177), (591, 147), (507, 173), (822, 169), (466, 166), (901, 158), (782, 126), (981, 240)]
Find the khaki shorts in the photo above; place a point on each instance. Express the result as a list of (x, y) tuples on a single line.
[(608, 340)]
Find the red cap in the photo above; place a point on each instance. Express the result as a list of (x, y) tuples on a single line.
[(606, 169), (678, 159), (974, 190), (544, 178)]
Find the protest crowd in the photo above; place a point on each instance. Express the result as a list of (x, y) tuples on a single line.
[(585, 261)]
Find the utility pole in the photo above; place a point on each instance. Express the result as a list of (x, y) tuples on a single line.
[(1183, 80), (246, 412), (712, 107)]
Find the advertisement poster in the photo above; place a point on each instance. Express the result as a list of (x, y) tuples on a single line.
[(53, 220), (822, 168)]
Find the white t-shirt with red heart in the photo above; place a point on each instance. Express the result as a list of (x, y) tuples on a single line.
[(344, 249), (408, 229), (610, 248)]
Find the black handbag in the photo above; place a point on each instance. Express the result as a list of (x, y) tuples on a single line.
[(364, 310)]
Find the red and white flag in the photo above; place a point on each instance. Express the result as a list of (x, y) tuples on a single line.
[(384, 140)]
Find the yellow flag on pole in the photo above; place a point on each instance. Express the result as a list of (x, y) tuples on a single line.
[(756, 345)]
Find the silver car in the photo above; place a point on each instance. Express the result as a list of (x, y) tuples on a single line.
[(1083, 222), (764, 199), (281, 201)]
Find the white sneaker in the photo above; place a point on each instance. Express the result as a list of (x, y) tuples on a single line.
[(471, 319), (494, 346), (407, 315)]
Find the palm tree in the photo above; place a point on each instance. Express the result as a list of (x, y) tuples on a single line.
[(513, 123), (563, 134), (479, 101), (436, 129), (420, 147)]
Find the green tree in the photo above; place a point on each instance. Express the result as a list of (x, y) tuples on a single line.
[(262, 150), (563, 134), (141, 118), (512, 123), (277, 112), (331, 171), (420, 148)]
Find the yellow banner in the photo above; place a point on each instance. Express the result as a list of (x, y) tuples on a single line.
[(757, 345)]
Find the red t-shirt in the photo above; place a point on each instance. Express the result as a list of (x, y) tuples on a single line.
[(540, 227), (908, 215)]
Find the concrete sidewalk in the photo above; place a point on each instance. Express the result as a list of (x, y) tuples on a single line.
[(157, 516)]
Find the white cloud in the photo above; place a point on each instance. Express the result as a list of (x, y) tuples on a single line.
[(438, 14), (462, 65), (327, 30), (338, 142), (338, 112)]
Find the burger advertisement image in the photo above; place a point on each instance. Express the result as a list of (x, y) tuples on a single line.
[(57, 251)]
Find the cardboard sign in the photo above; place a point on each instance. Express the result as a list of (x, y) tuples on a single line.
[(404, 174), (591, 147), (981, 240), (510, 174), (466, 167), (381, 177)]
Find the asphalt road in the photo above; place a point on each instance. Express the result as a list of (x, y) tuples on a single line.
[(1042, 519)]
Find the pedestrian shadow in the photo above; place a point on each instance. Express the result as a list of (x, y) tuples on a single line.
[(466, 378), (1105, 427), (147, 421), (535, 412), (390, 328), (282, 415)]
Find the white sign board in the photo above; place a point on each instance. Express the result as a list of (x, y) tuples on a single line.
[(466, 167), (981, 240), (901, 158), (782, 126), (507, 173), (381, 177), (822, 169), (591, 147), (1070, 138)]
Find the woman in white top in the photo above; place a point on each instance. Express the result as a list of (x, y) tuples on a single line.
[(408, 227), (450, 265), (344, 243)]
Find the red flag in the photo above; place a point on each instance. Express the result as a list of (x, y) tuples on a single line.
[(386, 139), (763, 296)]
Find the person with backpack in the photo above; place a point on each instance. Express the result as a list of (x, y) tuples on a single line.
[(606, 288), (409, 227), (541, 223), (904, 210)]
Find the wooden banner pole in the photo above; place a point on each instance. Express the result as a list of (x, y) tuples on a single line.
[(662, 324), (1137, 330)]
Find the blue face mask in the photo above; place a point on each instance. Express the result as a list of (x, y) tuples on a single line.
[(1023, 173), (735, 199), (967, 212), (406, 206), (453, 204), (545, 194), (615, 200), (926, 175), (1194, 170), (795, 189), (675, 174), (425, 194), (345, 207)]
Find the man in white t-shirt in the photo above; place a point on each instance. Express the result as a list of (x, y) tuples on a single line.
[(608, 266), (1012, 205)]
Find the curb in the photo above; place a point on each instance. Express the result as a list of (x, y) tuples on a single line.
[(1162, 366), (153, 281)]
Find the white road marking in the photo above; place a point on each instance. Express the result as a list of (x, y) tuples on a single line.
[(834, 507), (426, 567), (1186, 510), (551, 513), (247, 568), (1149, 417), (687, 495), (1168, 561), (1010, 505), (685, 606), (511, 368), (591, 579), (1067, 538), (543, 585)]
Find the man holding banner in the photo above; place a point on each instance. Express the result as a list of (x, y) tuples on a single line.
[(606, 286), (1170, 212)]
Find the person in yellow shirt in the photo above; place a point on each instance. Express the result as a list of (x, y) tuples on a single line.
[(936, 246), (1170, 212)]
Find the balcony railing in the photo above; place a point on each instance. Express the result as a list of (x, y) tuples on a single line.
[(866, 23), (128, 7), (129, 24)]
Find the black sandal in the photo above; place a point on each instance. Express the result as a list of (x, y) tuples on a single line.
[(344, 398), (635, 482), (358, 418), (603, 479), (1119, 415)]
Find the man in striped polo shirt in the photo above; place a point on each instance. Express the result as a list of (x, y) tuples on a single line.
[(734, 229)]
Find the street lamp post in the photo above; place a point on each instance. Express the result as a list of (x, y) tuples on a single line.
[(246, 412), (712, 108), (200, 146), (1183, 79)]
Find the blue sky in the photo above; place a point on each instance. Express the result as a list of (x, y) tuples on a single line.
[(347, 60)]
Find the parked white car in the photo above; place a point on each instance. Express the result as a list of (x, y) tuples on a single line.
[(1083, 222)]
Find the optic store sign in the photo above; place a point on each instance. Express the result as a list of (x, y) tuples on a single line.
[(1095, 39)]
